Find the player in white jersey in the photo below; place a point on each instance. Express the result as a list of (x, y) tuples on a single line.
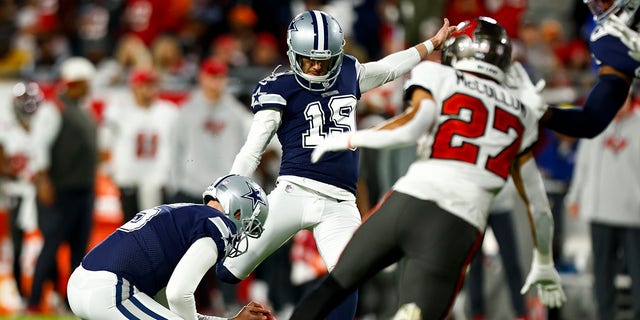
[(213, 125), (302, 106), (471, 133), (170, 246), (18, 158), (137, 136)]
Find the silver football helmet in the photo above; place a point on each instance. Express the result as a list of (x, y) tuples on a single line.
[(245, 203), (480, 45), (318, 36), (625, 9), (27, 97)]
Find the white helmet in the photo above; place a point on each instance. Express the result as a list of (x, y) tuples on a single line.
[(625, 9), (318, 36), (77, 69), (245, 203)]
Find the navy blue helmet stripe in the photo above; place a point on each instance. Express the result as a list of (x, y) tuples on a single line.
[(222, 179), (315, 30), (325, 34)]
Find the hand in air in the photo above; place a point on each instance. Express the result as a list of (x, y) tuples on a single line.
[(520, 85), (547, 281), (442, 35), (254, 311), (334, 142), (617, 28)]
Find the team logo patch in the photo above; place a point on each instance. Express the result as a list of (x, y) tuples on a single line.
[(288, 188)]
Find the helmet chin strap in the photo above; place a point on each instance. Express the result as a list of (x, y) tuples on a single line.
[(320, 85)]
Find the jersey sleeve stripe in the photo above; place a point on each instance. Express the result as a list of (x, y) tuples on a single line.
[(270, 99)]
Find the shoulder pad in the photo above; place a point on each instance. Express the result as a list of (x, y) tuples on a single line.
[(274, 76)]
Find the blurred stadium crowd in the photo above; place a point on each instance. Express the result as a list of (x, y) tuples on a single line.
[(169, 44)]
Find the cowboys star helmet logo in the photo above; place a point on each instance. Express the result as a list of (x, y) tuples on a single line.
[(255, 196)]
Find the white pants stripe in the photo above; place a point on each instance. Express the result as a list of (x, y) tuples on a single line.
[(104, 295)]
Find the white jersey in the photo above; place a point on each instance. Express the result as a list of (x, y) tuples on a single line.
[(24, 154), (140, 141), (208, 137), (20, 152), (465, 157), (606, 180)]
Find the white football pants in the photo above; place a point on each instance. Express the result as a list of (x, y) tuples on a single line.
[(104, 295), (293, 208)]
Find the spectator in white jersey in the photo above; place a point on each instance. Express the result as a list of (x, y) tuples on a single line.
[(170, 246), (604, 191), (18, 154), (210, 121), (472, 133), (302, 106), (136, 140), (211, 127)]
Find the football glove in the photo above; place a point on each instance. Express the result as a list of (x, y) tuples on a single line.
[(547, 281), (409, 311), (617, 28), (334, 142), (521, 86)]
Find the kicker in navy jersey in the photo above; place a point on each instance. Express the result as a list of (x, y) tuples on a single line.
[(303, 106)]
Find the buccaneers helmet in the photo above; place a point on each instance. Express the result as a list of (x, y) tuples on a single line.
[(481, 46)]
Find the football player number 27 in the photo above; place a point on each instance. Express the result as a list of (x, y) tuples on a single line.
[(475, 128), (341, 115)]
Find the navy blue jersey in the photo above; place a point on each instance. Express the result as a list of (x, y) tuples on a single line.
[(146, 250), (307, 118), (609, 50)]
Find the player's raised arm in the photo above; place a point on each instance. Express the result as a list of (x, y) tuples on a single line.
[(401, 130), (376, 73), (613, 43)]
